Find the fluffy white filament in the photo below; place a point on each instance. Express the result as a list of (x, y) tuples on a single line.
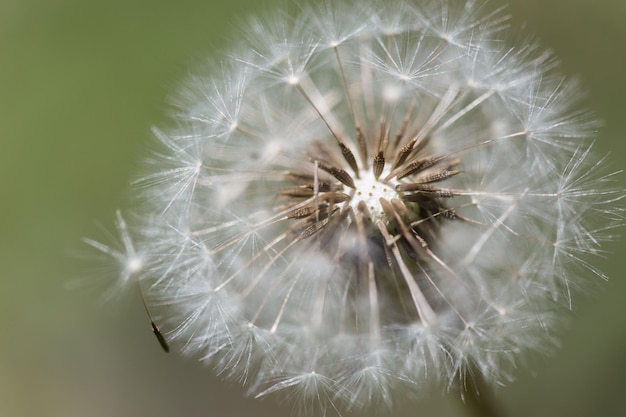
[(369, 195)]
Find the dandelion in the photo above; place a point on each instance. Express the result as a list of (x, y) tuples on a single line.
[(366, 196)]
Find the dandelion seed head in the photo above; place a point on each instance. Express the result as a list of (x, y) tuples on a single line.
[(368, 196)]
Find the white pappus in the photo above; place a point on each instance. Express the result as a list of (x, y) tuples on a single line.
[(365, 195)]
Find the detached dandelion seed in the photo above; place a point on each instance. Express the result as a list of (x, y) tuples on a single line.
[(368, 195)]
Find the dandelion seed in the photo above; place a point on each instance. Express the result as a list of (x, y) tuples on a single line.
[(369, 196)]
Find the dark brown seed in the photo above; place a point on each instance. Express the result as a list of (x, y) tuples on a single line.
[(338, 173), (379, 164), (349, 157), (418, 165), (159, 336)]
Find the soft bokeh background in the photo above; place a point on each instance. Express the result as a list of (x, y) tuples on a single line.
[(81, 82)]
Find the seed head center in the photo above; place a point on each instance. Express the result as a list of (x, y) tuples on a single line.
[(370, 190)]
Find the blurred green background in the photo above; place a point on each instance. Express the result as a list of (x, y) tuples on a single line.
[(81, 82)]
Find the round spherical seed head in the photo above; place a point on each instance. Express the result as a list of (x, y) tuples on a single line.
[(367, 194)]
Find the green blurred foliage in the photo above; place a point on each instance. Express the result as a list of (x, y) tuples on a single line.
[(81, 82)]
